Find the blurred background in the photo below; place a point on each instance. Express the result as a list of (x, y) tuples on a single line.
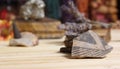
[(107, 11)]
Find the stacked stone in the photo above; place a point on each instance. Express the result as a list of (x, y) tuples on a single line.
[(73, 30), (74, 24), (80, 41)]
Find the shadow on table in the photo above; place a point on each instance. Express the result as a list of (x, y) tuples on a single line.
[(69, 57)]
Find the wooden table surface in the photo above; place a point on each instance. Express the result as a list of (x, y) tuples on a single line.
[(46, 56)]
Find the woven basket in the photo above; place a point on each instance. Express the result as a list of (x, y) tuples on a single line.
[(44, 28), (105, 33)]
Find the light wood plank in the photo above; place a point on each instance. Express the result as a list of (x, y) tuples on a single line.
[(46, 56)]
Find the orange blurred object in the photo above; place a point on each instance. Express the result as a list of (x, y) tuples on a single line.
[(82, 6), (6, 32)]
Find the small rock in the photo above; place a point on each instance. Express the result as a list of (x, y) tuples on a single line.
[(27, 39)]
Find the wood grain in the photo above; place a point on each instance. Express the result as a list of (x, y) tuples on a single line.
[(46, 56)]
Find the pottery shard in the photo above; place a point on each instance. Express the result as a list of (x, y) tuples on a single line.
[(89, 44), (28, 39)]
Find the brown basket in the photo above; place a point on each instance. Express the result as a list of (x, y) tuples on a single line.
[(44, 28), (105, 33)]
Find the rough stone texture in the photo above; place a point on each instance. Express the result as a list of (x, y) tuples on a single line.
[(69, 41), (27, 39), (79, 37), (89, 44), (33, 9)]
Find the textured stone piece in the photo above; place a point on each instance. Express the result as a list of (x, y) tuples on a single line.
[(27, 39), (69, 41), (73, 13), (80, 41), (33, 9), (75, 28), (89, 44)]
